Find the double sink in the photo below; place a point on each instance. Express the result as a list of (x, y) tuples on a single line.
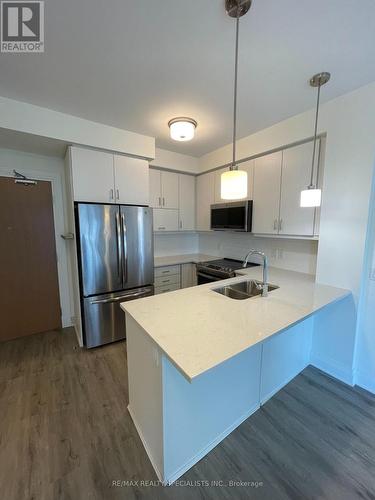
[(243, 289)]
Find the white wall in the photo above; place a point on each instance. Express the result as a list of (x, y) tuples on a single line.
[(349, 122), (175, 161), (175, 244), (24, 117), (50, 169), (365, 348), (294, 255)]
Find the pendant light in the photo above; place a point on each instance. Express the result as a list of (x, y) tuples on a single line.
[(234, 182), (312, 196)]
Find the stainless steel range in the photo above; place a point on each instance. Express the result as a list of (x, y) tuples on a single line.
[(221, 269)]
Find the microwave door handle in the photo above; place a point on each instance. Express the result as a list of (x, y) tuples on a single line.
[(125, 247), (119, 248)]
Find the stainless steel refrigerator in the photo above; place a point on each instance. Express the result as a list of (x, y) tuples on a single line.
[(116, 262)]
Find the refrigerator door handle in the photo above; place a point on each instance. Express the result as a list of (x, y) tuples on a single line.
[(124, 236), (119, 299), (119, 249)]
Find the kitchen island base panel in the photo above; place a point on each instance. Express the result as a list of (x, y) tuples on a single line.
[(180, 421)]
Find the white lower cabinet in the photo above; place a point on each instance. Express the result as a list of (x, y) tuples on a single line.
[(165, 219), (169, 278), (188, 275)]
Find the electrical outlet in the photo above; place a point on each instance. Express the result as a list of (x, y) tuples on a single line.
[(372, 274)]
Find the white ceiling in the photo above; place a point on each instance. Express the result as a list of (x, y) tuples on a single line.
[(135, 64)]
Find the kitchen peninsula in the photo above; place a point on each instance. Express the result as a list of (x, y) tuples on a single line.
[(200, 363)]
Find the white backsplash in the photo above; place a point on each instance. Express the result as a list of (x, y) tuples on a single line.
[(295, 255), (175, 244)]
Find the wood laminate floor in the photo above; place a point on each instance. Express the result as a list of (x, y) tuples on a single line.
[(65, 433)]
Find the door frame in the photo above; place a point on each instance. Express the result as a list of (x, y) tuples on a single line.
[(57, 181)]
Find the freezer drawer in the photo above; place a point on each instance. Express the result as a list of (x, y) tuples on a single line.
[(104, 320)]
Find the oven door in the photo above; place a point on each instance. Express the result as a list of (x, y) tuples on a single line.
[(203, 278)]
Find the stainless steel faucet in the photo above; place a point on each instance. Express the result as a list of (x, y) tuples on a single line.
[(264, 285)]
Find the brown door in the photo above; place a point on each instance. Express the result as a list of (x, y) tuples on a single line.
[(29, 291)]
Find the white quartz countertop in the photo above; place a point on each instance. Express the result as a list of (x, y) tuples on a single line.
[(172, 260), (198, 328)]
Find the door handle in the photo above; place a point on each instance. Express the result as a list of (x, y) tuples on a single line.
[(118, 299), (119, 249), (67, 236), (125, 243)]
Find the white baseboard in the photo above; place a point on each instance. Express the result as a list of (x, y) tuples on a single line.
[(333, 368), (158, 473), (203, 452), (365, 381)]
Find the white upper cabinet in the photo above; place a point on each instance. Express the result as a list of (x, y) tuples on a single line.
[(169, 189), (155, 188), (92, 176), (267, 178), (187, 202), (205, 198), (165, 219), (247, 167), (100, 177), (131, 180), (163, 189), (296, 172)]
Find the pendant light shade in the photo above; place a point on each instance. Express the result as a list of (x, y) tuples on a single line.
[(234, 185), (234, 182), (312, 195)]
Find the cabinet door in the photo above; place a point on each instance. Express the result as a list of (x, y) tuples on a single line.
[(165, 220), (247, 167), (155, 188), (169, 190), (296, 172), (187, 202), (267, 178), (205, 198), (188, 275), (92, 176), (131, 180)]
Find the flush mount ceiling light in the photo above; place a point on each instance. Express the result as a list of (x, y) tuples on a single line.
[(312, 196), (234, 182), (182, 128)]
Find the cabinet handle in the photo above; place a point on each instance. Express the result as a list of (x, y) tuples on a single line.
[(163, 201), (275, 224), (161, 227), (165, 281), (165, 272), (118, 194), (180, 224), (111, 194), (280, 224), (159, 201)]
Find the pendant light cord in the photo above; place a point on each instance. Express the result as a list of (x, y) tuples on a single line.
[(233, 166), (315, 136)]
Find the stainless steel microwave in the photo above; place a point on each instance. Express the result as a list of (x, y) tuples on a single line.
[(233, 216)]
